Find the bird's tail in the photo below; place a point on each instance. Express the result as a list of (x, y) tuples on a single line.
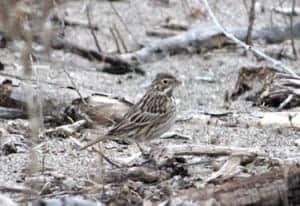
[(98, 139)]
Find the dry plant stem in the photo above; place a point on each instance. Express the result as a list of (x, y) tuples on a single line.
[(115, 40), (122, 21), (71, 79), (286, 102), (292, 29), (101, 166), (74, 85), (32, 107), (251, 17), (186, 7), (90, 25), (229, 169), (106, 158), (277, 64), (120, 37)]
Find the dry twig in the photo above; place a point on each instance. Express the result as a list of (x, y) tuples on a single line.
[(74, 85), (115, 39), (210, 150), (292, 29), (90, 25), (230, 169), (118, 34), (122, 21), (251, 18), (277, 64)]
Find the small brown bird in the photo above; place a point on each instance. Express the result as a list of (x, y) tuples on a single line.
[(150, 117)]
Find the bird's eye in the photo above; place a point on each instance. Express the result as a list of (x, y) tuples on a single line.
[(165, 81)]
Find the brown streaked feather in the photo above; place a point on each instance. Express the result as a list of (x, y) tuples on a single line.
[(153, 115)]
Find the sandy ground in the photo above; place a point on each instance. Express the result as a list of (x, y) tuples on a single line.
[(194, 96)]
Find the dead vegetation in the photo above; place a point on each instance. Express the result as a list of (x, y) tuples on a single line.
[(61, 60)]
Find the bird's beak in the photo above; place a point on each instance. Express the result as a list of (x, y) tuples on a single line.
[(178, 83)]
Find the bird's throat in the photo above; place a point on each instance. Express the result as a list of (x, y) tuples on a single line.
[(169, 92)]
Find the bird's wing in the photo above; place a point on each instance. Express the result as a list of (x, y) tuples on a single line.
[(133, 119), (136, 117)]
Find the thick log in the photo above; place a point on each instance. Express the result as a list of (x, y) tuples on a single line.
[(117, 64), (206, 37), (99, 108), (49, 97), (268, 189)]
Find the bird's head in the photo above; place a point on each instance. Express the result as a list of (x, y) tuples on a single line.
[(165, 83)]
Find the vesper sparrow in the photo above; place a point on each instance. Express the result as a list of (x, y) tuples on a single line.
[(150, 117)]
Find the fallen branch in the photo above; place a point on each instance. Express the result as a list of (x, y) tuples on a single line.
[(163, 33), (281, 119), (230, 169), (271, 188), (205, 37), (101, 109), (210, 150), (9, 189), (66, 201), (277, 64), (173, 24), (287, 11), (72, 22), (208, 37), (54, 98), (65, 130), (118, 65), (143, 174)]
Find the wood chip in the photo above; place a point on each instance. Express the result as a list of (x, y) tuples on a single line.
[(281, 119)]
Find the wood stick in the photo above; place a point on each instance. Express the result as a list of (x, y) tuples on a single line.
[(88, 15), (210, 150), (277, 64), (270, 188), (119, 65)]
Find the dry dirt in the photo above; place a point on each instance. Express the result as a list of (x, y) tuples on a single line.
[(194, 97)]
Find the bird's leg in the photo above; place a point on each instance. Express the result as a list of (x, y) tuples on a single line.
[(143, 151), (112, 162), (147, 156)]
